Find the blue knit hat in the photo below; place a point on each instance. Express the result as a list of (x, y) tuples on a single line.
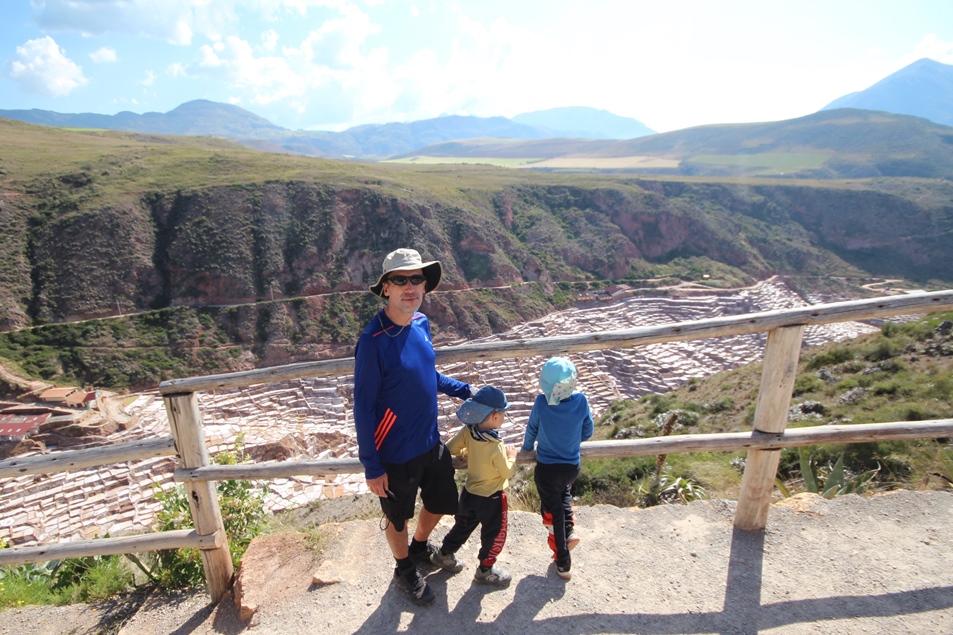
[(557, 379), (478, 407)]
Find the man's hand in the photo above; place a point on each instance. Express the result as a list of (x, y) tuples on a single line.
[(378, 485), (512, 451)]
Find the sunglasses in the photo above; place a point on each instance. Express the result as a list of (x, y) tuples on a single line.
[(402, 280)]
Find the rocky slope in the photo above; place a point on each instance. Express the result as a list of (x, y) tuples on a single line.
[(227, 245)]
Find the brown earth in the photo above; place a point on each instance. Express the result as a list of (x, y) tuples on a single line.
[(850, 565)]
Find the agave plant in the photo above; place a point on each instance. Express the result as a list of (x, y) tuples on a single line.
[(680, 489), (668, 489), (830, 481)]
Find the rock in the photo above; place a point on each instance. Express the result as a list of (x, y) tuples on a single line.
[(281, 450), (21, 447), (275, 567)]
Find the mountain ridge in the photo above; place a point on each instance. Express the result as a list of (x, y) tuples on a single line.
[(829, 144), (203, 117), (922, 89)]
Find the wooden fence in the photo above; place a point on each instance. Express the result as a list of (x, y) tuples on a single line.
[(764, 443)]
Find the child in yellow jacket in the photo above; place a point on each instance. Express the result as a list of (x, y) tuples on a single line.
[(490, 465)]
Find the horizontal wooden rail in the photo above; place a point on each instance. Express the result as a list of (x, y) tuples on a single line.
[(92, 457), (626, 338), (852, 433), (176, 539)]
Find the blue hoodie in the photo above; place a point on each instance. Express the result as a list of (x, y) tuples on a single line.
[(557, 431)]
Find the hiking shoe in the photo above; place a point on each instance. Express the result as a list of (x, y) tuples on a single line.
[(414, 586), (495, 576), (447, 562), (425, 556), (564, 571), (572, 539)]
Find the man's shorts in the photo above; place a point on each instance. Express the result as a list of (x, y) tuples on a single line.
[(432, 473)]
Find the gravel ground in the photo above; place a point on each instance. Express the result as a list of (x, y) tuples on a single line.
[(849, 566)]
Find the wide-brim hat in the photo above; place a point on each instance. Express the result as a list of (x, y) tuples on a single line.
[(408, 260), (486, 401)]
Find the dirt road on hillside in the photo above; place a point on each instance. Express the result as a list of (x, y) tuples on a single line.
[(849, 566)]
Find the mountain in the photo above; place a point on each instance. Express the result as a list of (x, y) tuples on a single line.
[(584, 123), (198, 117), (382, 140), (843, 143), (201, 234), (923, 89), (202, 117)]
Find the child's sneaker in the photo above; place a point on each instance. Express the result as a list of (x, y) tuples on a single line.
[(564, 571), (572, 539), (447, 562), (414, 586), (494, 576)]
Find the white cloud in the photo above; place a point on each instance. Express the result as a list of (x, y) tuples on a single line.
[(338, 41), (269, 40), (232, 60), (175, 21), (149, 79), (933, 47), (42, 67), (103, 55), (272, 8), (491, 69), (330, 66)]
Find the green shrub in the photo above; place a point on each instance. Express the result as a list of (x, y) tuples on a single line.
[(941, 388), (832, 357), (807, 383), (882, 349), (243, 514), (721, 404), (66, 581)]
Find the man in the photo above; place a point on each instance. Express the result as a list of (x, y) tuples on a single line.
[(395, 413)]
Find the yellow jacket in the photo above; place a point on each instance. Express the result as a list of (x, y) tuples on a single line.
[(488, 467)]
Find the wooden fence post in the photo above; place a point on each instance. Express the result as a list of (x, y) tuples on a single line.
[(185, 419), (774, 399)]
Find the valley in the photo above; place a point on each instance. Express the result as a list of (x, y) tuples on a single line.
[(312, 418)]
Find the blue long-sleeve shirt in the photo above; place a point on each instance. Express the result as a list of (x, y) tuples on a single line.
[(558, 431), (395, 392)]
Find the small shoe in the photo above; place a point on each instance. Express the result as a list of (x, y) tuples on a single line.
[(564, 571), (572, 539), (414, 587), (447, 562), (494, 576), (424, 557)]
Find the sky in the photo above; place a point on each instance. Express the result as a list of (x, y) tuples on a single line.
[(333, 64)]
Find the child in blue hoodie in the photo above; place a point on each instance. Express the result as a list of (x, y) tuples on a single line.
[(558, 423)]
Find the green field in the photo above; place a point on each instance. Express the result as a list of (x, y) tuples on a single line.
[(496, 161), (767, 162)]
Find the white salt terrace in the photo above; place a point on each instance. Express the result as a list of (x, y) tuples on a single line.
[(312, 418)]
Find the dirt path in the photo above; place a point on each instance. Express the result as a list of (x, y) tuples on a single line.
[(848, 566)]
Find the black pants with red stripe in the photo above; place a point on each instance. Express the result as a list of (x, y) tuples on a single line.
[(487, 511)]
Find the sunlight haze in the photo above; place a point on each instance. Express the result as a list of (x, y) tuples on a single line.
[(333, 64)]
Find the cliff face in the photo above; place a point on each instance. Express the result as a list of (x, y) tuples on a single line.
[(230, 245)]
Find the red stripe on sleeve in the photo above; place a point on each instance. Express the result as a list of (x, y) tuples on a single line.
[(384, 427)]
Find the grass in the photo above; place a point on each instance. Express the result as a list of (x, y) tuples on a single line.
[(904, 373), (66, 581), (495, 161), (769, 162)]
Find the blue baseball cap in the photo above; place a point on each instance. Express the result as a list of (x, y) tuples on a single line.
[(486, 401)]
